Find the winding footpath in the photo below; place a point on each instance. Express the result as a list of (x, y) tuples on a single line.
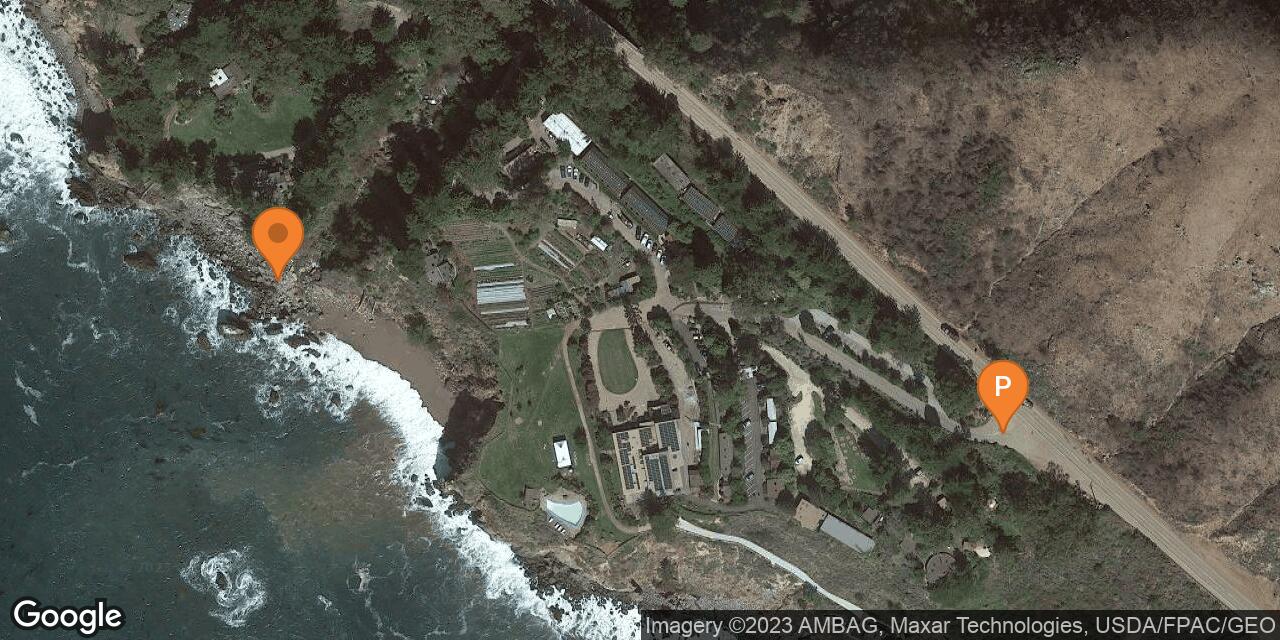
[(1032, 432), (689, 527), (605, 503)]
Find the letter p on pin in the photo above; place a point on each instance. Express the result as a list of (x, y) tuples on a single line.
[(1003, 385)]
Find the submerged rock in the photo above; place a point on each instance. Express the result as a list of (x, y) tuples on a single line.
[(6, 235), (141, 260), (233, 325), (202, 341), (302, 339)]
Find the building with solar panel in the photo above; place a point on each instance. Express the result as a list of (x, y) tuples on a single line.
[(705, 207), (646, 210), (727, 230), (652, 457), (596, 163)]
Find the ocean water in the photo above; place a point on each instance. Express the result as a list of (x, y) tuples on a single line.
[(250, 490)]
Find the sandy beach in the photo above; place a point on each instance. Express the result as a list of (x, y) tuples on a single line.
[(383, 340)]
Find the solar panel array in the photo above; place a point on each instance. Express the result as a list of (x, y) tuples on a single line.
[(624, 458), (650, 212), (701, 204), (667, 435), (597, 164)]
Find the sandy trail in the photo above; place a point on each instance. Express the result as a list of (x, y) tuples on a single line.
[(802, 412)]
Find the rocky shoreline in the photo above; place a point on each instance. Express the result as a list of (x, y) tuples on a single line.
[(218, 231)]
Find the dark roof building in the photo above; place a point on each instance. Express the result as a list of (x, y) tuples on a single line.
[(597, 164), (727, 230), (671, 172), (701, 204), (649, 212)]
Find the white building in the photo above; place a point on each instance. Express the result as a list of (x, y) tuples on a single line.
[(561, 447), (600, 243), (566, 130), (771, 409), (218, 78)]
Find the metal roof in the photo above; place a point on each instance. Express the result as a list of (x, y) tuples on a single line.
[(561, 447), (650, 212), (597, 164), (850, 537), (671, 172), (701, 204), (563, 128)]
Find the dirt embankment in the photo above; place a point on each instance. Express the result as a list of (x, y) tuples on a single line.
[(1097, 202)]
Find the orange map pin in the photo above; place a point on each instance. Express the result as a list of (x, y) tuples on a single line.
[(277, 233), (1003, 385)]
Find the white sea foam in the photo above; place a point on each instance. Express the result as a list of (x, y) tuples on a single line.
[(227, 576), (37, 106), (31, 414), (33, 392), (339, 377)]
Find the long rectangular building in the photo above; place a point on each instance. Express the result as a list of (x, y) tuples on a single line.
[(701, 204), (650, 213), (672, 173), (597, 164), (727, 230), (850, 537)]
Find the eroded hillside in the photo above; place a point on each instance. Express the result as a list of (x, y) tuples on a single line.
[(1100, 205)]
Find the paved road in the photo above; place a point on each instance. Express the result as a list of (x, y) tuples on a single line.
[(688, 527), (591, 439), (752, 436), (1036, 435)]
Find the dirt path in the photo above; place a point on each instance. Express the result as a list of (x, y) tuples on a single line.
[(1033, 433), (802, 411), (606, 505), (644, 390), (690, 528)]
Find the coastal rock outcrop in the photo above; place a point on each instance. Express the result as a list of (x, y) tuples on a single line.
[(141, 260), (234, 325)]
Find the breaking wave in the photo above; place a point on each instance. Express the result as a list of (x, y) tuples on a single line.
[(38, 148), (227, 576), (338, 378)]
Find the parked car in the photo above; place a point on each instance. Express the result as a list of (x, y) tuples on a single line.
[(563, 175), (950, 331)]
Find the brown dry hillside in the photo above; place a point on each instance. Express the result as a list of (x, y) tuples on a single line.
[(1103, 205)]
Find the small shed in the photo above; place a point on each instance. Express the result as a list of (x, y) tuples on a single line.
[(809, 515), (561, 447)]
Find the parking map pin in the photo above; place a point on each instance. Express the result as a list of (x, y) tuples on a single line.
[(277, 233), (1003, 385)]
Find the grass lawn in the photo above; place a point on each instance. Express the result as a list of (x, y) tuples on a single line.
[(537, 395), (248, 130), (617, 365), (863, 478), (536, 389)]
